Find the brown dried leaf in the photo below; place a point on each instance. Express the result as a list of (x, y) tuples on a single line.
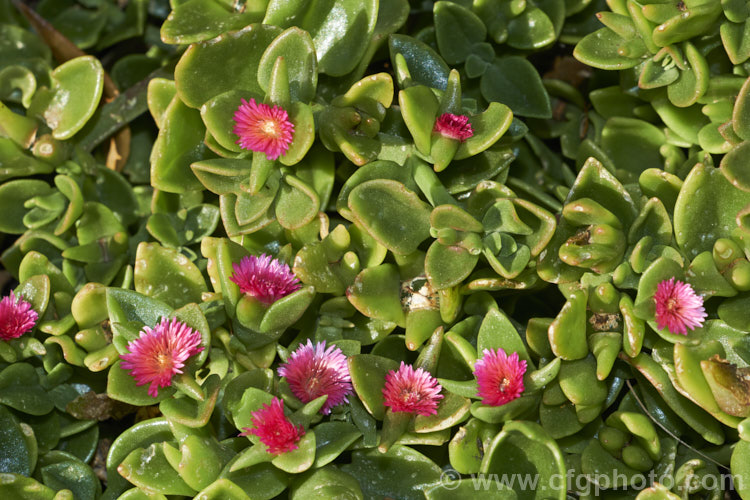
[(119, 150), (93, 406), (729, 384), (570, 70), (100, 459)]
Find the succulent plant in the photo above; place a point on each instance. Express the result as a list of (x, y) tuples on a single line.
[(374, 249)]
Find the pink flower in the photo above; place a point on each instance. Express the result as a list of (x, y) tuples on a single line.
[(678, 307), (160, 353), (274, 429), (16, 317), (499, 377), (263, 129), (313, 370), (413, 391), (264, 277), (454, 126)]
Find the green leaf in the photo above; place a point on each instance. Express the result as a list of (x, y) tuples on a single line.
[(13, 194), (706, 209), (419, 108), (488, 127), (632, 144), (218, 116), (77, 89), (165, 274), (400, 473), (121, 386), (376, 293), (340, 29), (513, 81), (368, 373), (198, 20), (567, 333), (72, 475), (297, 203), (326, 483), (35, 263), (159, 95), (421, 64), (378, 203), (15, 162), (298, 51), (532, 29), (331, 439), (580, 384), (693, 82), (451, 488), (229, 62), (601, 49), (457, 29), (654, 75), (141, 435), (263, 480), (596, 461), (299, 460), (497, 331), (526, 448), (679, 28), (223, 489), (467, 174), (452, 410), (20, 389), (149, 469), (741, 467), (126, 306), (180, 143), (19, 486), (301, 116), (222, 176), (287, 310), (17, 79), (36, 291), (741, 112), (447, 266), (117, 113), (18, 456), (82, 445), (736, 40), (597, 183), (252, 399)]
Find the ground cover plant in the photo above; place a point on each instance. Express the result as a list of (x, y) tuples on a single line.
[(374, 249)]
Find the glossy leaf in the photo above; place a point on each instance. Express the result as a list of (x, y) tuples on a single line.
[(77, 89)]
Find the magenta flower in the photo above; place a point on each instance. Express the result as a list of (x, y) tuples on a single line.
[(263, 129), (313, 370), (265, 278), (678, 307), (499, 377), (454, 126), (16, 317), (412, 391), (160, 352), (274, 429)]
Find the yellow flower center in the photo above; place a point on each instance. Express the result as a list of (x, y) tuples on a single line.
[(408, 396), (162, 361), (270, 128), (504, 383)]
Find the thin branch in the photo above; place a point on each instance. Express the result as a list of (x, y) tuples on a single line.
[(648, 414)]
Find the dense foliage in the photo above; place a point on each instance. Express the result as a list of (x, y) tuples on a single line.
[(374, 249)]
